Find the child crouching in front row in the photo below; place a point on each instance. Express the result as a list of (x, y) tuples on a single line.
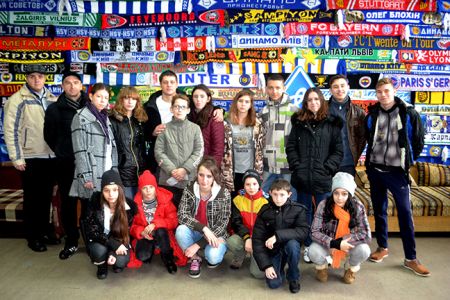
[(154, 224), (280, 227), (340, 229), (244, 210)]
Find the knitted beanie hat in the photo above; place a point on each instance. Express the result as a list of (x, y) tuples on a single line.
[(252, 173), (111, 177), (344, 181)]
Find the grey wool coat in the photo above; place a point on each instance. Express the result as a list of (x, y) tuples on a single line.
[(89, 147)]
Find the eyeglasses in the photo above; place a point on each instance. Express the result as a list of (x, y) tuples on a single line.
[(179, 107)]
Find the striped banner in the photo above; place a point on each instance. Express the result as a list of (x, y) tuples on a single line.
[(132, 79), (24, 31), (408, 5), (131, 7), (151, 44), (148, 32), (31, 57), (35, 18), (148, 68), (318, 66), (44, 44)]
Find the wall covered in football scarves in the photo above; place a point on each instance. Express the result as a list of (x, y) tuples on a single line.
[(233, 44)]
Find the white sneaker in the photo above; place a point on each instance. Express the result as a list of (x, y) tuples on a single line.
[(306, 256)]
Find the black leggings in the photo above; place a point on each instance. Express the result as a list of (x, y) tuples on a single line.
[(145, 248)]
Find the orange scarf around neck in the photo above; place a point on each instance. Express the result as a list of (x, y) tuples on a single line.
[(342, 230)]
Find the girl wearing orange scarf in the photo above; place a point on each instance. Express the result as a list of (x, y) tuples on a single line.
[(340, 231)]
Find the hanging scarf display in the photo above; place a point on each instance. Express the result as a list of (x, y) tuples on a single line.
[(21, 78), (345, 29), (233, 55), (31, 57), (392, 16), (263, 41), (425, 32), (34, 18), (320, 66), (23, 31), (131, 7), (149, 68), (408, 82), (353, 54), (49, 68), (215, 17), (199, 5), (147, 32), (380, 42), (253, 16), (355, 66), (425, 56), (130, 57), (407, 5), (44, 44), (215, 30), (212, 80), (151, 44)]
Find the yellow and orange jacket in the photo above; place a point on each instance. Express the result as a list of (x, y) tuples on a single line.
[(244, 211)]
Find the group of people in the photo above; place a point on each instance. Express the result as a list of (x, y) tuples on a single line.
[(173, 176)]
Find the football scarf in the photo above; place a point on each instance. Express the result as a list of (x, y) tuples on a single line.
[(392, 16), (232, 55), (406, 5), (353, 54), (216, 30), (380, 42), (34, 18), (23, 68), (126, 57), (407, 82), (199, 5), (131, 7), (150, 68), (129, 33), (263, 41), (43, 44), (24, 31), (425, 56), (31, 57), (150, 44), (253, 16)]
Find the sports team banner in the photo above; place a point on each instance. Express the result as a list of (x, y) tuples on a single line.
[(147, 32), (150, 68), (380, 42), (24, 31), (9, 89), (23, 68), (355, 81), (408, 5), (369, 95), (439, 124), (221, 94), (434, 98), (216, 30), (425, 56), (44, 44), (353, 54), (83, 68), (34, 18), (114, 79), (253, 16), (435, 138), (392, 16), (442, 110), (31, 57), (346, 29), (131, 7), (437, 154), (212, 80), (318, 66), (199, 5), (10, 78), (215, 17), (427, 32), (130, 57), (262, 41), (151, 44), (408, 82), (233, 55), (355, 66)]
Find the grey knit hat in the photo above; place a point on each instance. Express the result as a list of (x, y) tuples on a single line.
[(344, 181)]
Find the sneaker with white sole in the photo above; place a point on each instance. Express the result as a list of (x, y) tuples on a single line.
[(379, 255), (415, 266), (306, 255), (195, 268)]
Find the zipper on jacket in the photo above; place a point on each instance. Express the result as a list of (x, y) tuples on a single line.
[(131, 146), (387, 138)]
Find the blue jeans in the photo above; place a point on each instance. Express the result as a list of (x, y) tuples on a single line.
[(269, 178), (187, 237), (307, 200), (290, 254), (397, 183)]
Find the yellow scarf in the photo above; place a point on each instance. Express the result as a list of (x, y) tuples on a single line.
[(342, 230)]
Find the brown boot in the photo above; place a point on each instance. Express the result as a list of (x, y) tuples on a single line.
[(379, 255), (349, 276), (415, 266), (322, 275)]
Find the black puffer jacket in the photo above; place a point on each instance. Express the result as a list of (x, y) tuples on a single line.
[(129, 136), (314, 154), (57, 126), (287, 222)]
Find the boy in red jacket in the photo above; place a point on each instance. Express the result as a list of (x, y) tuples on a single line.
[(154, 224)]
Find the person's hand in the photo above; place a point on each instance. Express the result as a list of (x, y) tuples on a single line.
[(345, 245), (146, 233), (159, 129), (248, 246), (270, 273), (271, 241), (191, 250), (20, 167), (111, 260), (179, 174), (218, 115), (213, 241), (122, 250), (89, 185)]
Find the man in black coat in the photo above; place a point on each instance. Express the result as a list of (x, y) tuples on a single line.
[(58, 135)]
